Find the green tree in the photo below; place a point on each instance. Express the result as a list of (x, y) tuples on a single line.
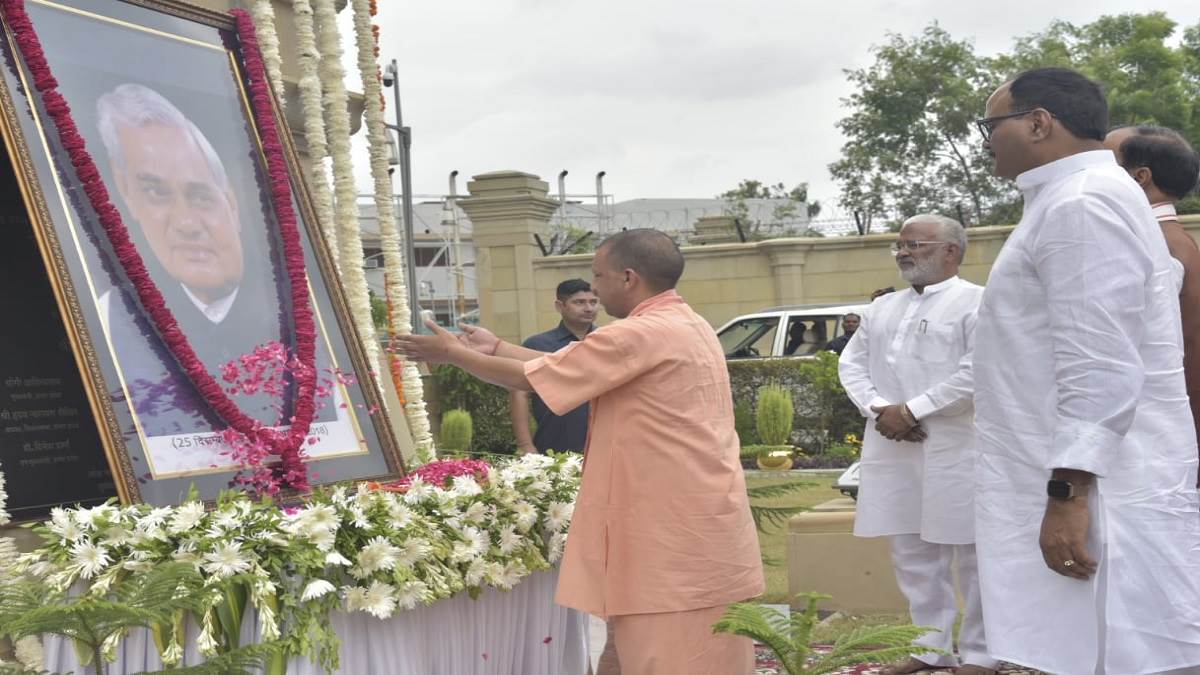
[(911, 143), (784, 217)]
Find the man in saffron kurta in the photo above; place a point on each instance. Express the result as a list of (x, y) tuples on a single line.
[(662, 539)]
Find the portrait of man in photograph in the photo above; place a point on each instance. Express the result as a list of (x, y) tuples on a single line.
[(182, 212)]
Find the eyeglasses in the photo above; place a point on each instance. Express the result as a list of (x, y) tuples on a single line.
[(912, 246), (987, 125)]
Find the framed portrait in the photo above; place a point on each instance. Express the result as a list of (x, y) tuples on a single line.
[(158, 92)]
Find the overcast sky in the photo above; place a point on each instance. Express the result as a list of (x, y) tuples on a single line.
[(673, 98)]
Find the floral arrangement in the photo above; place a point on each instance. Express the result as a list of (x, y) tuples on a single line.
[(389, 237), (349, 236), (308, 59), (451, 527), (28, 649), (263, 12)]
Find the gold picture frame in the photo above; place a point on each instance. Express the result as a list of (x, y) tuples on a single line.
[(108, 340)]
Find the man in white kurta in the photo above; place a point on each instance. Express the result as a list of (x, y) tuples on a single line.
[(1087, 526), (908, 369)]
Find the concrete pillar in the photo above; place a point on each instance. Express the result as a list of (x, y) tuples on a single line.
[(787, 257), (506, 209)]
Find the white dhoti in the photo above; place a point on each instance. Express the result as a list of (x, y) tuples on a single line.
[(925, 573)]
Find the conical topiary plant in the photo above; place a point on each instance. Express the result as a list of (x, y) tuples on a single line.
[(774, 415), (457, 430)]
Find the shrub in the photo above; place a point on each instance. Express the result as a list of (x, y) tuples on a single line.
[(774, 415), (822, 409), (456, 431), (744, 424), (488, 405)]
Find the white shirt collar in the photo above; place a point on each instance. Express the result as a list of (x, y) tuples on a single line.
[(1164, 211), (215, 311), (939, 286), (1045, 173)]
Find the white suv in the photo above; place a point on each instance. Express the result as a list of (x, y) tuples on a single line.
[(799, 330)]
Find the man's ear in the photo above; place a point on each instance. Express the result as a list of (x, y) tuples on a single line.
[(1143, 175), (559, 305), (1040, 122)]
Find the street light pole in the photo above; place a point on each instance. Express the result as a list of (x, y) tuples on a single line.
[(392, 78)]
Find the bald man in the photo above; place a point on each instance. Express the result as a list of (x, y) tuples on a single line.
[(908, 369), (662, 540)]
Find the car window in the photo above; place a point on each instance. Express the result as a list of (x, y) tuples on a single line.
[(807, 335), (749, 338)]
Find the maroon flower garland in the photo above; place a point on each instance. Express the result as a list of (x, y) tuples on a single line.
[(286, 445)]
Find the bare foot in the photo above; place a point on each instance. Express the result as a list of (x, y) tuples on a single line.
[(972, 669), (909, 665)]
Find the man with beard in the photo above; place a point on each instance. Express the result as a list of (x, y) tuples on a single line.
[(908, 369), (1086, 510)]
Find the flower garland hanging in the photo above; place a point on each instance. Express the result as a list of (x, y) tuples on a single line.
[(309, 59), (349, 234), (287, 445), (389, 237), (263, 12)]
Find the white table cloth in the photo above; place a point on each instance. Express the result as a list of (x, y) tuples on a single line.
[(521, 632)]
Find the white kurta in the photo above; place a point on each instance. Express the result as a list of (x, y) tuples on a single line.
[(915, 348), (1078, 365)]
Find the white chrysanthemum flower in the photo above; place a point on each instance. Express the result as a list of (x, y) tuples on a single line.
[(513, 573), (558, 515), (509, 540), (572, 466), (418, 491), (411, 594), (91, 558), (323, 539), (364, 497), (155, 519), (358, 516), (380, 600), (335, 558), (526, 515), (85, 518), (67, 530), (536, 461), (401, 515), (478, 540), (475, 572), (378, 554), (117, 535), (338, 496), (59, 516), (476, 513), (413, 551), (558, 541), (316, 589), (465, 486), (353, 598), (540, 486), (187, 517), (226, 561), (227, 519)]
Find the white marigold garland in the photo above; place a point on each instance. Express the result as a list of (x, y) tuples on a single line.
[(28, 649), (263, 13), (349, 236), (394, 278), (309, 60)]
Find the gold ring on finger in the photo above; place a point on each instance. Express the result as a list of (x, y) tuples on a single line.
[(1068, 563)]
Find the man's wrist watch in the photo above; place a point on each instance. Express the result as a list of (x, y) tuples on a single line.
[(1061, 490)]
